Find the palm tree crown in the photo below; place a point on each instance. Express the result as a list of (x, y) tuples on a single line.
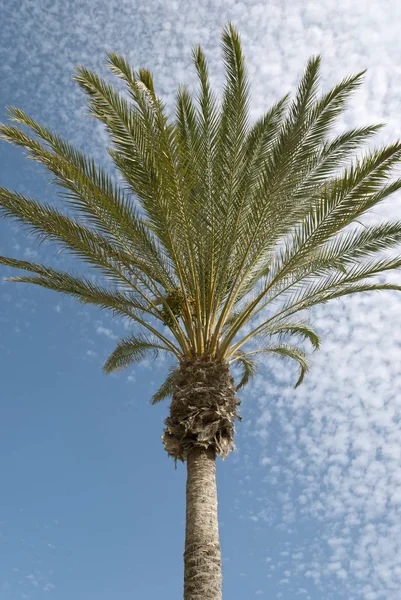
[(224, 229)]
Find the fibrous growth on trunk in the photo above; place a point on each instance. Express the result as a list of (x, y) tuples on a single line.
[(203, 409)]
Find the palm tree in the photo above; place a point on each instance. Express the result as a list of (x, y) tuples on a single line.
[(221, 234)]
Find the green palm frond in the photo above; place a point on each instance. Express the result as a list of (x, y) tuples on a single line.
[(166, 390), (133, 349), (321, 297), (280, 179), (228, 169), (92, 247), (82, 288), (140, 139), (351, 288), (248, 368), (92, 190), (352, 247), (293, 353), (286, 351), (152, 162), (222, 230), (298, 328), (88, 292)]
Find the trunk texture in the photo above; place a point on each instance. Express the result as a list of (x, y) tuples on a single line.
[(203, 411), (202, 557)]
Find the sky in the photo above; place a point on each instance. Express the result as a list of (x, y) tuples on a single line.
[(91, 507)]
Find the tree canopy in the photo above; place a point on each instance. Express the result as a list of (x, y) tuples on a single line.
[(223, 230)]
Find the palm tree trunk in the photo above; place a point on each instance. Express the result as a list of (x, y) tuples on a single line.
[(200, 426), (202, 557)]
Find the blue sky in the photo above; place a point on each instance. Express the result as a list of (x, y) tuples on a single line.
[(90, 505)]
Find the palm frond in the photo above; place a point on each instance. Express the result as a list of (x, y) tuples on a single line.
[(82, 288), (345, 200), (154, 152), (96, 249), (275, 174), (133, 349), (321, 296), (90, 190), (167, 388), (230, 153), (286, 351), (207, 120), (330, 158), (248, 368), (257, 147), (298, 328), (88, 292), (93, 190)]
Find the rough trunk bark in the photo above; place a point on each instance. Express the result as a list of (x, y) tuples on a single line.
[(202, 556), (203, 410)]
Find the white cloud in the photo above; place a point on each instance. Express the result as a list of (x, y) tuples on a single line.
[(105, 331), (341, 445), (48, 587)]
